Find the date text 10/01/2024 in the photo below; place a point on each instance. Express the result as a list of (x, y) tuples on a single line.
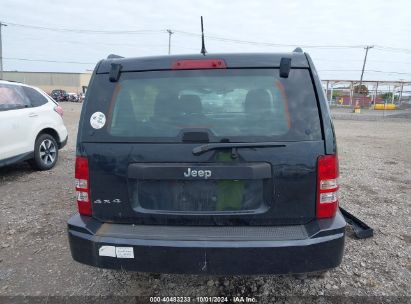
[(203, 299)]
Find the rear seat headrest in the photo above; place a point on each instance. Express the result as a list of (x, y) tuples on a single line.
[(258, 100), (191, 104), (166, 104)]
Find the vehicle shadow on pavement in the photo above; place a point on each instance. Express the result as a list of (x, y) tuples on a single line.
[(7, 173)]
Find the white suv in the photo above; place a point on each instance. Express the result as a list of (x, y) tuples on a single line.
[(31, 126)]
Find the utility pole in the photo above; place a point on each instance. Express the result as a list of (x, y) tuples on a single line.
[(363, 66), (170, 32), (1, 51)]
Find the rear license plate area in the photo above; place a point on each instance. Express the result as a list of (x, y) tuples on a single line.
[(167, 188), (198, 196)]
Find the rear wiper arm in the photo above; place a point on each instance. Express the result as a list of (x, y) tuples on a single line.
[(207, 147)]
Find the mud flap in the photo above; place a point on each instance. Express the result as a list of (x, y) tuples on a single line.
[(361, 229)]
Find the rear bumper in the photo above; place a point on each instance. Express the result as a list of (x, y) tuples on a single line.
[(321, 248)]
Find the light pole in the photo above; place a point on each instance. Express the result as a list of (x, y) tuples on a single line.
[(170, 32), (1, 51)]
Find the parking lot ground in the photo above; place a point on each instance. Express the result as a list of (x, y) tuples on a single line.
[(375, 169), (368, 114)]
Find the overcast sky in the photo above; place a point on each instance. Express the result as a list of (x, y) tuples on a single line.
[(293, 22)]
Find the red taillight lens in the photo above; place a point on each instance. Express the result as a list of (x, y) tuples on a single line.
[(199, 64), (327, 186), (59, 110), (82, 186)]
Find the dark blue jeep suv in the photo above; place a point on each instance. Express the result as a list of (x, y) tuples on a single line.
[(217, 164)]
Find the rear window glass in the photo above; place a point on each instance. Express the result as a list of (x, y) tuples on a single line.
[(36, 98), (12, 97), (234, 105)]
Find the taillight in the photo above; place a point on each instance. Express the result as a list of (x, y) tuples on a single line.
[(194, 64), (59, 110), (327, 186), (82, 186)]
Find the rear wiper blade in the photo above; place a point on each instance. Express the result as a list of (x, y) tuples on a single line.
[(207, 147)]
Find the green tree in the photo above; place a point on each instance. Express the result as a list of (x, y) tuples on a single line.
[(388, 96), (363, 90)]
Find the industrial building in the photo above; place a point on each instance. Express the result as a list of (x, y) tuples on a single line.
[(48, 81)]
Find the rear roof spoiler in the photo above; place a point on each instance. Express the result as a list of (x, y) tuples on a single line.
[(246, 60)]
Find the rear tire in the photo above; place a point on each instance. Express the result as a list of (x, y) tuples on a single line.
[(46, 153)]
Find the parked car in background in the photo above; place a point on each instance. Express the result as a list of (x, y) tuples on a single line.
[(59, 95), (31, 126), (73, 97), (217, 164)]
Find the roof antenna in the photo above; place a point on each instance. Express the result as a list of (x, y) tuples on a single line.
[(203, 49)]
